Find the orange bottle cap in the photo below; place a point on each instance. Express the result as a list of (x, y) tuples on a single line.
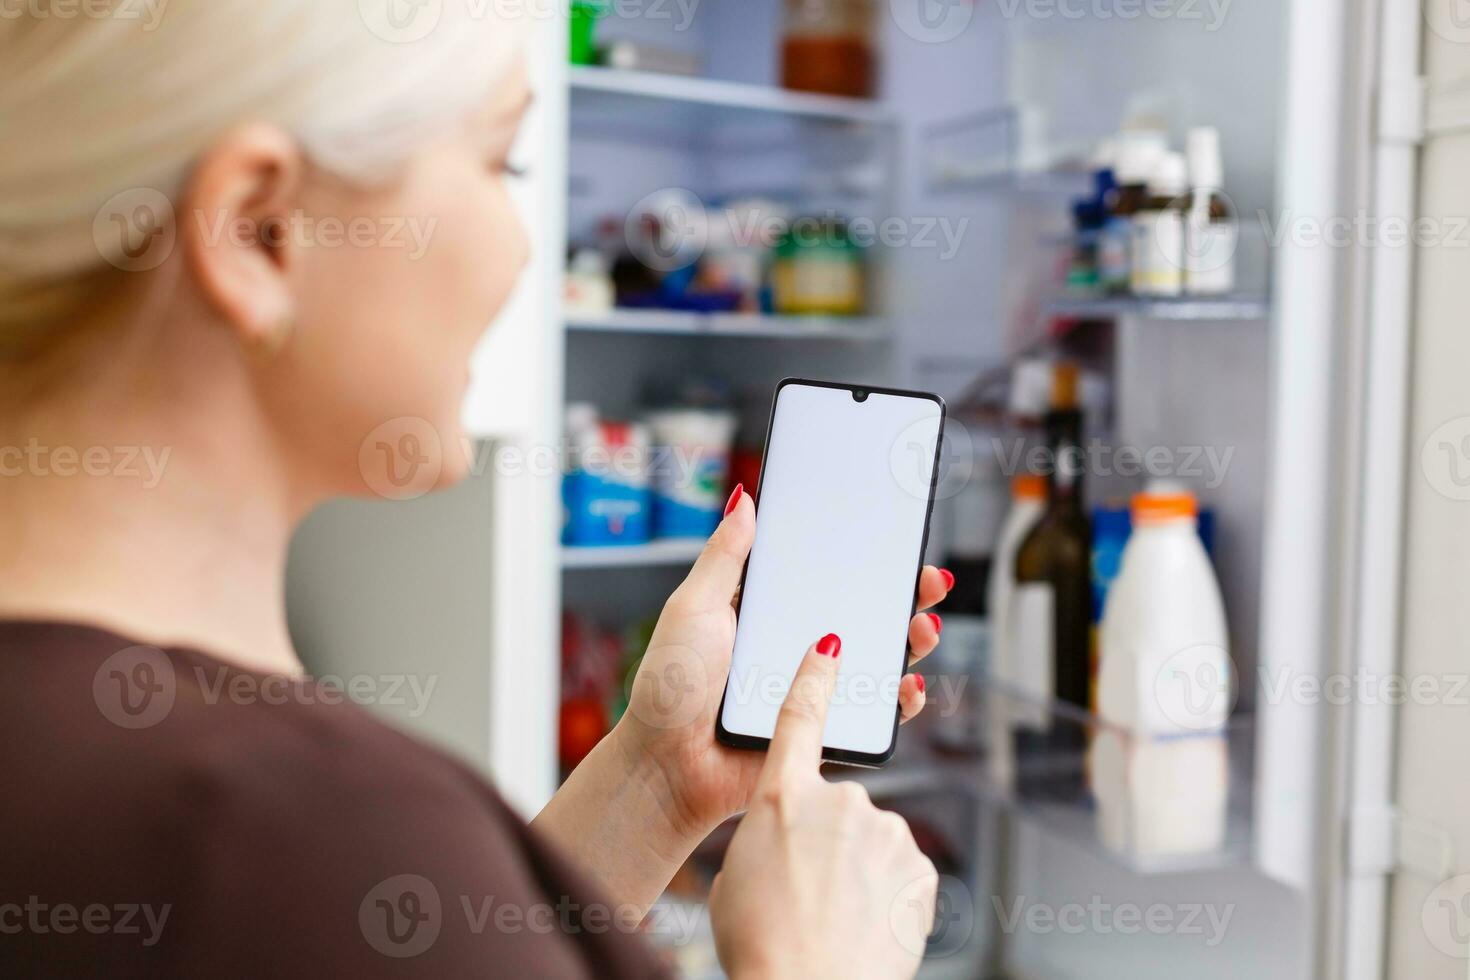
[(1156, 507), (1029, 486)]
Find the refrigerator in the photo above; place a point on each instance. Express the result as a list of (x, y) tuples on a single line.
[(1323, 381)]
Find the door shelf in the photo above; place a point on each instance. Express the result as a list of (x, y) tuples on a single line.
[(1200, 308), (1004, 149), (1057, 798), (732, 325), (706, 101), (675, 552), (1046, 180)]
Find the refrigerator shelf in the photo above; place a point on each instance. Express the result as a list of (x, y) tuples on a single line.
[(674, 552), (1003, 150), (1050, 789), (705, 102), (732, 325), (1198, 308)]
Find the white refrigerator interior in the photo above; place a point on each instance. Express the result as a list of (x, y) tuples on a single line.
[(981, 114)]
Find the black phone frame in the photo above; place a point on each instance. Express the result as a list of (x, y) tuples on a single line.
[(842, 756)]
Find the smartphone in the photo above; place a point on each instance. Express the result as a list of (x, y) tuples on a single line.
[(845, 499)]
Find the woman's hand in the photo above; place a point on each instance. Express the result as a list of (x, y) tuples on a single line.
[(645, 797), (818, 882), (676, 694)]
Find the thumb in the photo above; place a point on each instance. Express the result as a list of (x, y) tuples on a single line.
[(716, 575)]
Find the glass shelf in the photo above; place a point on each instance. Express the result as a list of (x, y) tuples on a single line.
[(1148, 826), (672, 553), (988, 178), (706, 101), (1202, 308), (733, 325), (1003, 150)]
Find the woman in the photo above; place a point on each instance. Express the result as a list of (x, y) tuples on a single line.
[(189, 366)]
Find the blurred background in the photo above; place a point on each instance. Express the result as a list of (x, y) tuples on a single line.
[(1213, 248)]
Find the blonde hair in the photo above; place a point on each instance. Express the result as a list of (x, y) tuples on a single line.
[(119, 98)]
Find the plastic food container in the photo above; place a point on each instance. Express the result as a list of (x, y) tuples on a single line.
[(605, 493), (691, 470), (584, 17), (819, 270)]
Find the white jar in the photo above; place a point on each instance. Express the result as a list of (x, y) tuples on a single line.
[(691, 470), (1157, 267)]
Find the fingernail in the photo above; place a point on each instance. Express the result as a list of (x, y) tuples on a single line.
[(919, 680), (938, 623), (735, 499), (830, 645), (948, 577)]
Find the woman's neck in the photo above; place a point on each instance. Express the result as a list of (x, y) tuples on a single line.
[(123, 509)]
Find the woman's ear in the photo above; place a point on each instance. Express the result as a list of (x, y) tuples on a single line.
[(235, 227)]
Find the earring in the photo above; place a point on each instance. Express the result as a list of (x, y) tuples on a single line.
[(269, 344)]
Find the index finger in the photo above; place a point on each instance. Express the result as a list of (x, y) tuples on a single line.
[(797, 742)]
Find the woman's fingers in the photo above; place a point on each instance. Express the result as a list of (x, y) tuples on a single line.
[(934, 586), (924, 631), (911, 697), (796, 746), (716, 575)]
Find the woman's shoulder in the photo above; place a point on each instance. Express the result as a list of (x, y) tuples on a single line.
[(179, 748), (168, 711), (272, 815)]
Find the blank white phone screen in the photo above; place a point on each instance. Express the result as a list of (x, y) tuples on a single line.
[(843, 505)]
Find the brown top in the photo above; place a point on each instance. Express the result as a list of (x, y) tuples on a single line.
[(168, 815)]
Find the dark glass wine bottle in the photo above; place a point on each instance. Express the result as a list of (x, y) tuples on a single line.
[(1051, 606)]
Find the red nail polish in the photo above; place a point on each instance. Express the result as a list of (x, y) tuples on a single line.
[(938, 623), (830, 645), (948, 577), (735, 499), (919, 680)]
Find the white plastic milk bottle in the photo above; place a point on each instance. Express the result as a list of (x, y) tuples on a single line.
[(1159, 764), (1028, 503)]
